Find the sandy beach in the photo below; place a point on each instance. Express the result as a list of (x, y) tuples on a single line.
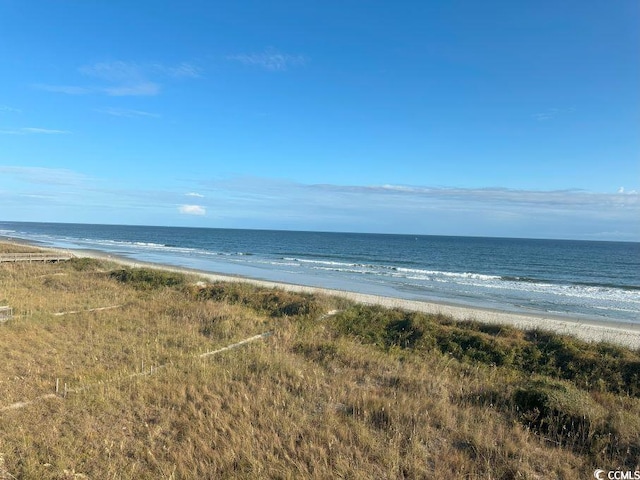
[(619, 333), (156, 361)]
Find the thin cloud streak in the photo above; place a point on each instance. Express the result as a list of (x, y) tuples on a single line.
[(45, 176), (270, 59), (127, 113), (252, 202), (66, 89), (425, 208), (33, 130), (8, 109), (551, 114), (133, 72), (183, 70), (135, 90), (138, 90), (566, 198), (117, 72), (125, 78)]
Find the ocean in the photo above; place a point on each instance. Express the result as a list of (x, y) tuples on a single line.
[(583, 279)]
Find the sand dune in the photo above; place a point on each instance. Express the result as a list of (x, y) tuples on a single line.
[(626, 334)]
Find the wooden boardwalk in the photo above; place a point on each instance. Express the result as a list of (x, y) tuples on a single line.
[(34, 257)]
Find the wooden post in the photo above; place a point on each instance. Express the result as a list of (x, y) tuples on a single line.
[(57, 385)]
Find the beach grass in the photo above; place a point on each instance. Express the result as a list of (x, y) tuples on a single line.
[(13, 247), (337, 390)]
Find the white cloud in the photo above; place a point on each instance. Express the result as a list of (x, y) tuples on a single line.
[(551, 113), (32, 130), (121, 78), (8, 109), (137, 90), (67, 89), (117, 72), (538, 198), (183, 70), (459, 211), (271, 203), (192, 210), (133, 72), (270, 59), (543, 117), (46, 131), (126, 78), (125, 112), (45, 176)]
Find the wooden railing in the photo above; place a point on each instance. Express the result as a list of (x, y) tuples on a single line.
[(34, 257)]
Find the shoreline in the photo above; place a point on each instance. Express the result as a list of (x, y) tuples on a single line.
[(591, 330)]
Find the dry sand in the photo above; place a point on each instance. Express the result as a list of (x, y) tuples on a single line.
[(620, 333)]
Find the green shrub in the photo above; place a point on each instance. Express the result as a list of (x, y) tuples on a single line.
[(599, 367), (382, 327), (474, 346), (273, 302), (83, 264), (562, 413), (147, 279)]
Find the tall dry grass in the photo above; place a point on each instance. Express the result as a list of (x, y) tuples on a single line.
[(310, 401), (7, 246)]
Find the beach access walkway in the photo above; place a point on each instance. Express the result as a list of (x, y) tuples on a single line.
[(35, 257)]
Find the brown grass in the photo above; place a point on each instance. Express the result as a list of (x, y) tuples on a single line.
[(16, 247), (307, 402)]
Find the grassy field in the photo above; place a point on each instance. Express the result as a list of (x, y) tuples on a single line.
[(338, 390)]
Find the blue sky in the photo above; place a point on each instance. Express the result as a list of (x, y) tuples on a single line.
[(494, 118)]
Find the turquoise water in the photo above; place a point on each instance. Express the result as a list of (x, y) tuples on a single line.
[(577, 278)]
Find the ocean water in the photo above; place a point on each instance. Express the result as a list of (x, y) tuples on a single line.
[(597, 280)]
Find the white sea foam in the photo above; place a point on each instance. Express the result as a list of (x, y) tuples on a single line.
[(477, 282), (427, 274), (517, 287), (320, 262)]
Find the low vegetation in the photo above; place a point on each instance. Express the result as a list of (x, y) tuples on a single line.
[(11, 247), (601, 367), (363, 393), (146, 279), (576, 412)]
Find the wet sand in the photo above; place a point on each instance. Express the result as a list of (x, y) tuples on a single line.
[(620, 333)]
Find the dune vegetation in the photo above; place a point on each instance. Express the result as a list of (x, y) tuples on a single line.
[(119, 373)]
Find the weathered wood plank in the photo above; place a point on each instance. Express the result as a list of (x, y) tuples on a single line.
[(34, 257), (6, 313)]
